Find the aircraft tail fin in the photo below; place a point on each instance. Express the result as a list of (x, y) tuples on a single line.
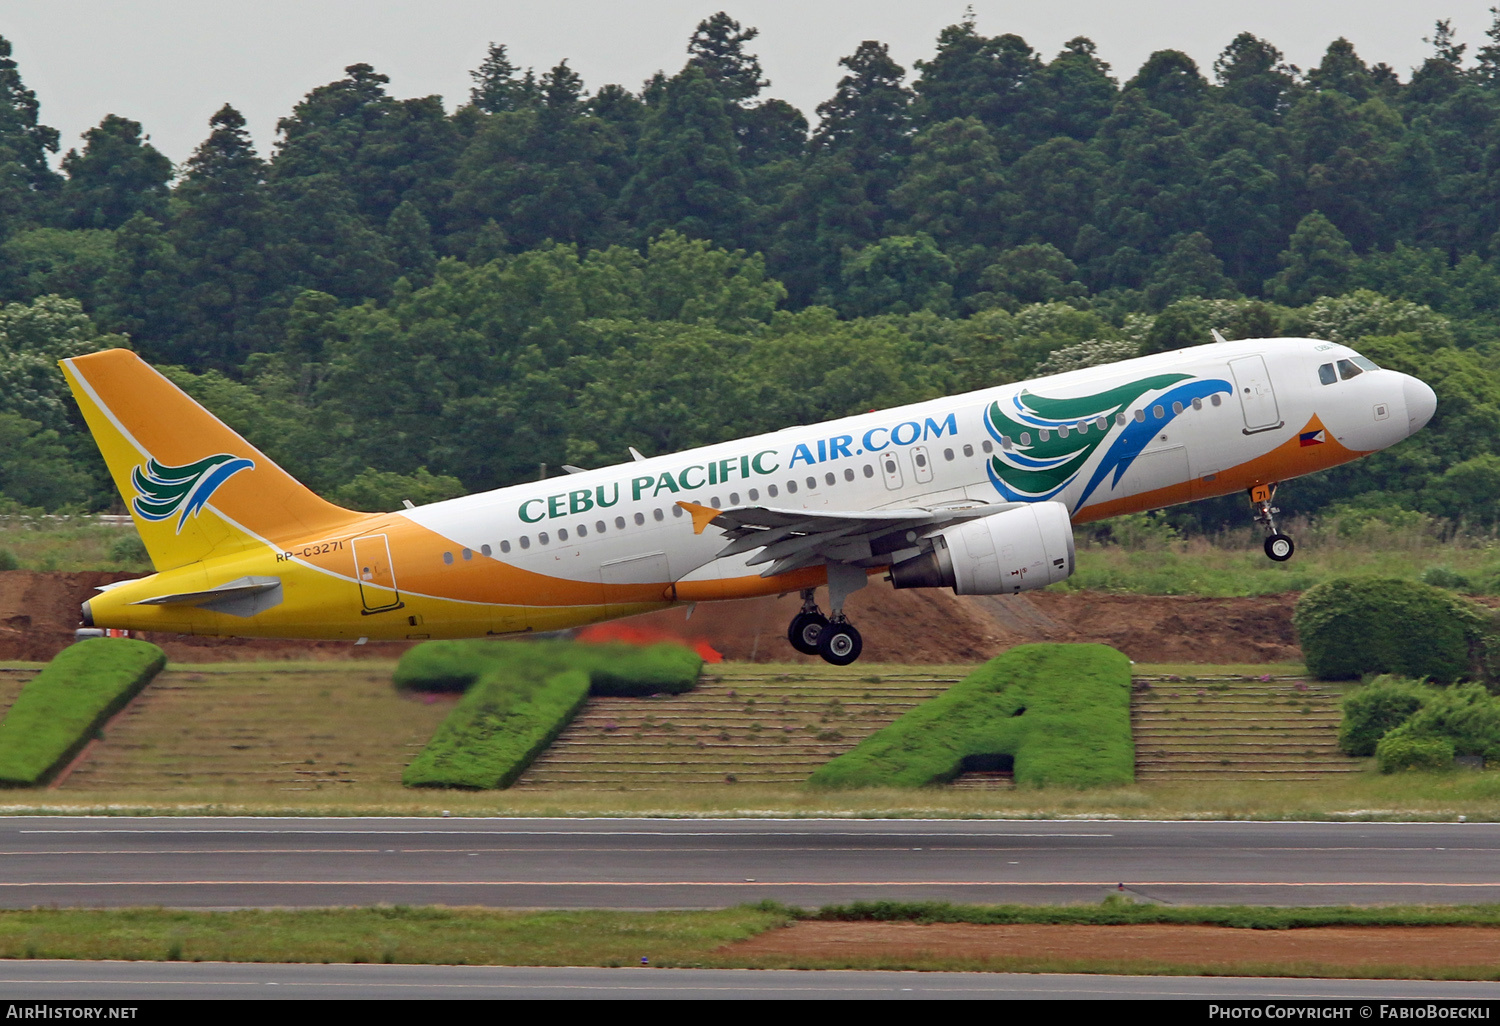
[(194, 488)]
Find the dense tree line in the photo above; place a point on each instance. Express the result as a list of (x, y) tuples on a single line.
[(403, 301)]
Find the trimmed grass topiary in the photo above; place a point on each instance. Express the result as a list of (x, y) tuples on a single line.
[(1396, 752), (1376, 709), (1061, 712), (1350, 627), (518, 696), (62, 708)]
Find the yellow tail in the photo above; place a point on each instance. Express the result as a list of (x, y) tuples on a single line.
[(195, 488)]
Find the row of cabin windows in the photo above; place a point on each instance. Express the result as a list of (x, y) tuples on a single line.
[(600, 527), (1157, 412)]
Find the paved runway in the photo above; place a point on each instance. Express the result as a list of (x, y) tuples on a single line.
[(529, 863), (80, 982)]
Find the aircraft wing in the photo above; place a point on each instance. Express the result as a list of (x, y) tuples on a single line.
[(789, 539)]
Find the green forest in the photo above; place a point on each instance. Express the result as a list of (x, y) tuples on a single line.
[(413, 299)]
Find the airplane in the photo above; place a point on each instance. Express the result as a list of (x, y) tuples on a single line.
[(977, 492)]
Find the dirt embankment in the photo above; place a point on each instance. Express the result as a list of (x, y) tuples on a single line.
[(39, 611)]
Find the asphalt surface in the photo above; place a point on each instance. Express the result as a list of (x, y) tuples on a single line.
[(81, 982), (597, 863)]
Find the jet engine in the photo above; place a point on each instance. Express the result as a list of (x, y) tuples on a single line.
[(1001, 554)]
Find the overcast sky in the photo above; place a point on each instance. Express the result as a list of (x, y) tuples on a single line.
[(170, 64)]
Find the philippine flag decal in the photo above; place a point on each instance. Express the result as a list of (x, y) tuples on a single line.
[(1313, 437)]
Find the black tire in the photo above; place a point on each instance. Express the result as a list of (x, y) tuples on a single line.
[(804, 631), (1279, 547), (840, 644)]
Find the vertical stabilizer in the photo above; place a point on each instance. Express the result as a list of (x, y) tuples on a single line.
[(194, 487)]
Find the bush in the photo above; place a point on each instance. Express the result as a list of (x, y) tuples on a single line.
[(1062, 712), (1414, 753), (1446, 577), (8, 560), (130, 549), (520, 695), (62, 707), (1350, 627), (1377, 708), (1467, 715)]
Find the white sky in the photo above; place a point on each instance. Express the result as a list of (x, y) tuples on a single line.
[(170, 64)]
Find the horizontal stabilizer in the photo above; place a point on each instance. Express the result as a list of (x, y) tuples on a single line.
[(244, 597)]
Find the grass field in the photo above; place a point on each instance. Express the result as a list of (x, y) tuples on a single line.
[(332, 739), (1232, 563), (756, 937)]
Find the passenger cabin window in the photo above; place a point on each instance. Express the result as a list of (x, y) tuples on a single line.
[(948, 455), (812, 483), (505, 546), (1326, 374), (1216, 399), (771, 491), (656, 515), (791, 487), (486, 550), (448, 558), (676, 510), (734, 498), (848, 473), (755, 495), (640, 518), (1347, 370), (1158, 412), (830, 479), (869, 470), (986, 446), (619, 523), (468, 553), (968, 450), (1025, 437), (1140, 416), (562, 534), (542, 538), (525, 542)]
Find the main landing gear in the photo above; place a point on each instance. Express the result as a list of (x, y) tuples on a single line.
[(1278, 546), (834, 638)]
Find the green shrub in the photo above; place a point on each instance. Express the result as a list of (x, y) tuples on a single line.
[(1413, 753), (1062, 712), (1350, 627), (8, 560), (62, 707), (1446, 577), (518, 696), (1377, 708), (1466, 715), (130, 549)]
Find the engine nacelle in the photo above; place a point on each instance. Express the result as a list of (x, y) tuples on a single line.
[(1001, 554)]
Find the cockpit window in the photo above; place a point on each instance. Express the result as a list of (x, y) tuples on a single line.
[(1347, 370), (1326, 374), (1364, 364)]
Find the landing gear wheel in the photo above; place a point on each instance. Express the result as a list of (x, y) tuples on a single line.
[(1279, 547), (806, 627), (840, 644)]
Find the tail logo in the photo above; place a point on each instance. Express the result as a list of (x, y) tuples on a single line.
[(162, 491)]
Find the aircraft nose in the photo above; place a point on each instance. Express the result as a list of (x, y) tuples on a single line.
[(1421, 403)]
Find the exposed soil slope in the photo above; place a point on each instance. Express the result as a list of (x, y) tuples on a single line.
[(39, 611)]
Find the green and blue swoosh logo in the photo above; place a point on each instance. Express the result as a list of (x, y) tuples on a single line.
[(1042, 467), (162, 491)]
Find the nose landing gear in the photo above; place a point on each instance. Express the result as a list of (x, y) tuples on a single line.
[(1279, 547)]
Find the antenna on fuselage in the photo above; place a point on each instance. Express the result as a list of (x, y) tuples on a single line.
[(1217, 336), (635, 454)]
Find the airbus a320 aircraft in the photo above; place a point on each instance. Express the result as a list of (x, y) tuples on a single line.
[(977, 492)]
